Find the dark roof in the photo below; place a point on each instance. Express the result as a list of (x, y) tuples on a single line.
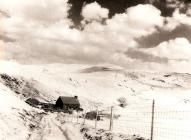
[(69, 100)]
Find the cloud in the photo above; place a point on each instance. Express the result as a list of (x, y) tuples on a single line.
[(182, 18), (44, 11), (137, 21), (48, 38), (163, 34), (94, 11), (6, 38), (42, 33), (26, 17), (177, 49), (179, 25), (173, 55), (118, 33), (167, 7), (139, 54)]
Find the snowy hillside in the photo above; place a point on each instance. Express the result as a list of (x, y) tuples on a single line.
[(100, 85), (92, 83)]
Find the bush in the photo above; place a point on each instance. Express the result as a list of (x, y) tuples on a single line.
[(92, 115), (122, 102), (33, 102)]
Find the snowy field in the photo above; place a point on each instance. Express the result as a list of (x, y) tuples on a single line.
[(97, 86)]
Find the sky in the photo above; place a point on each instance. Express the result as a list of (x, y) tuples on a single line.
[(149, 35)]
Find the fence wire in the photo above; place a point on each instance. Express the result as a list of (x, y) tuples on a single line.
[(168, 124)]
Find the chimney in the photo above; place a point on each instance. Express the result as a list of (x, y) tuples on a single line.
[(76, 97)]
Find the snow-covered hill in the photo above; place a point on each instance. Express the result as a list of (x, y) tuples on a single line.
[(100, 85)]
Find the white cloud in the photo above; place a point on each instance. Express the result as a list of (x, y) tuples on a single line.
[(181, 18), (26, 17), (42, 33), (48, 37), (177, 19), (177, 49), (45, 11), (120, 31), (137, 21), (94, 11), (144, 16)]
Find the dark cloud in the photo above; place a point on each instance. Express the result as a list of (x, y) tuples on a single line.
[(5, 14), (145, 57), (6, 38), (162, 35)]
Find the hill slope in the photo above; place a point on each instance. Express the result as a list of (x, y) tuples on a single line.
[(94, 85)]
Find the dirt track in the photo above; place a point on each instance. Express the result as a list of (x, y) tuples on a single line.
[(51, 128)]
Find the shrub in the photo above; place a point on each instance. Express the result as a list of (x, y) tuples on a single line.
[(122, 102)]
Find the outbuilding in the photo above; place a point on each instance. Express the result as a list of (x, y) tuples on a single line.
[(64, 102)]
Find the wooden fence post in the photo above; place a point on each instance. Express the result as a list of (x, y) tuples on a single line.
[(111, 119), (84, 118), (96, 118), (152, 120), (77, 117), (72, 118)]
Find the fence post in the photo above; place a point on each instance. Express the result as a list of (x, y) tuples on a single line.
[(84, 118), (111, 119), (77, 117), (72, 118), (96, 118), (152, 120)]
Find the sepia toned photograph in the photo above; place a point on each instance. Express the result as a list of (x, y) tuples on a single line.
[(95, 70)]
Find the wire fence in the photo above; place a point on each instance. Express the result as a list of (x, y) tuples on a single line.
[(148, 121)]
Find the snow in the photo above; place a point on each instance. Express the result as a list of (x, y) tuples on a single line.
[(50, 128), (100, 88), (11, 125)]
